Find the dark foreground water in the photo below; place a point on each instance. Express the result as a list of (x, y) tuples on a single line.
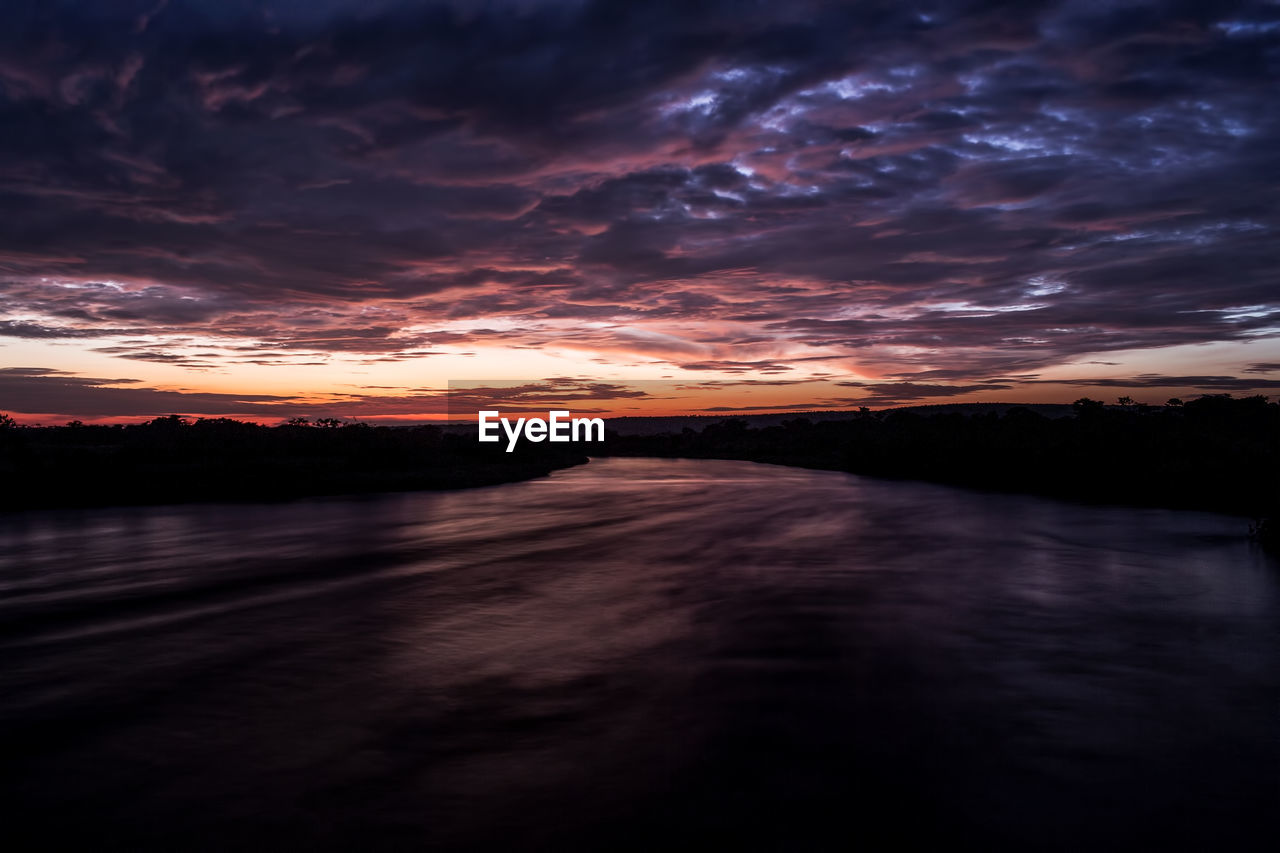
[(639, 654)]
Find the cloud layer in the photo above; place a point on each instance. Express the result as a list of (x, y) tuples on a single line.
[(947, 196)]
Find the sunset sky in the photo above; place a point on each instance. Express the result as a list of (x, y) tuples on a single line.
[(265, 210)]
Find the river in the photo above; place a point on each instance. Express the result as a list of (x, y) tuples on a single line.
[(640, 654)]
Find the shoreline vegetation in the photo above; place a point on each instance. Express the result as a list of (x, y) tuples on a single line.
[(175, 460), (1216, 453)]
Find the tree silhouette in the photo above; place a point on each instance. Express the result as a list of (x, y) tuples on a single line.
[(174, 459)]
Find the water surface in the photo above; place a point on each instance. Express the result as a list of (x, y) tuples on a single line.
[(640, 654)]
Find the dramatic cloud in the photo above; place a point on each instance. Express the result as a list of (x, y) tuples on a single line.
[(60, 393), (1204, 383), (932, 199)]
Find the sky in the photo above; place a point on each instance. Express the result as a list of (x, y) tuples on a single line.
[(328, 208)]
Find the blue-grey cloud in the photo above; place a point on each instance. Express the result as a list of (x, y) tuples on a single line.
[(994, 187)]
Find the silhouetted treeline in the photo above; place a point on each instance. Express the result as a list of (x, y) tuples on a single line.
[(1215, 453), (172, 459)]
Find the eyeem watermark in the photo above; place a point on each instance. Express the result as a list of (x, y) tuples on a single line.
[(559, 426)]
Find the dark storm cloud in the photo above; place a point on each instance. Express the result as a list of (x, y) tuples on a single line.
[(584, 396), (992, 188), (751, 367), (1208, 383), (790, 407), (57, 393), (37, 331), (916, 390)]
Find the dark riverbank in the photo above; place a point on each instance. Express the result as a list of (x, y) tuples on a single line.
[(171, 460), (1216, 453)]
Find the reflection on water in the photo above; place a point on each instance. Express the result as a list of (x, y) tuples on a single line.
[(640, 653)]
